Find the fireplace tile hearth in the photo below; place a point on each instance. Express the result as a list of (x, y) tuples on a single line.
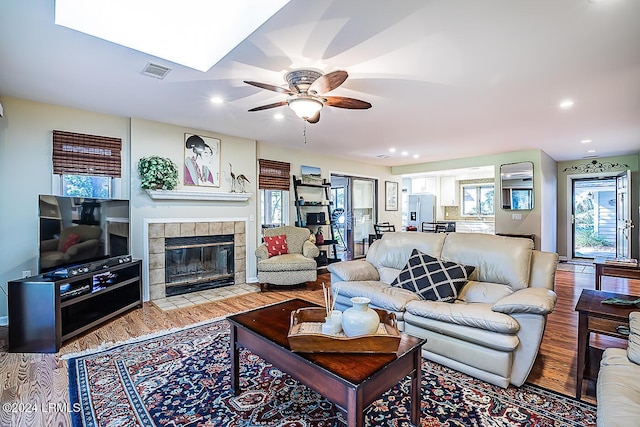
[(203, 297)]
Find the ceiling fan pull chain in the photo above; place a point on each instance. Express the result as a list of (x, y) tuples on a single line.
[(304, 131)]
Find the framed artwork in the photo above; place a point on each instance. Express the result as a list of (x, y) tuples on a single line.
[(201, 160), (390, 196)]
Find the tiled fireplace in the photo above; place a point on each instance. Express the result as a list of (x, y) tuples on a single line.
[(191, 256)]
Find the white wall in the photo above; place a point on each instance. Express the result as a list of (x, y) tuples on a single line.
[(26, 171), (544, 177), (337, 165), (165, 140)]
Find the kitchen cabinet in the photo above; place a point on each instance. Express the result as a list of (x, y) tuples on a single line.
[(448, 191)]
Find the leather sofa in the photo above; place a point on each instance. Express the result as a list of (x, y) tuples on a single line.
[(87, 245), (618, 389), (493, 330)]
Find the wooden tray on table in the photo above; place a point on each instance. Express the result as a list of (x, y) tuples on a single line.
[(305, 334)]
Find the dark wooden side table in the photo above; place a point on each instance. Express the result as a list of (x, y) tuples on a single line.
[(604, 269), (599, 318)]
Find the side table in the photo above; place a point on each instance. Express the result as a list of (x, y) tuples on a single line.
[(606, 319), (613, 270)]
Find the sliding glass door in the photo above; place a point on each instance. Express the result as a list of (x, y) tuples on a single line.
[(354, 201)]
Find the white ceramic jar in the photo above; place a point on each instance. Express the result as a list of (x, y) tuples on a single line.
[(360, 319)]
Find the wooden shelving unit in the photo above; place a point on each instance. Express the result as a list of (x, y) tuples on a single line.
[(322, 204)]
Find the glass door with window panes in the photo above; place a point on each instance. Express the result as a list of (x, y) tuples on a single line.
[(355, 213)]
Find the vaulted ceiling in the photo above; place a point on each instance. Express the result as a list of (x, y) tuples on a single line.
[(446, 78)]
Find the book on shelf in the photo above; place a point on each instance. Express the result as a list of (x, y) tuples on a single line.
[(622, 261)]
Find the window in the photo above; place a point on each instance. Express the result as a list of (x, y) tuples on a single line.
[(273, 183), (521, 198), (86, 186), (478, 200), (274, 208), (86, 165)]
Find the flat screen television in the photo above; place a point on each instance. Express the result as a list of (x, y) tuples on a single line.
[(76, 230)]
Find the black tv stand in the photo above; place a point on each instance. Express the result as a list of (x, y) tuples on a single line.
[(46, 310)]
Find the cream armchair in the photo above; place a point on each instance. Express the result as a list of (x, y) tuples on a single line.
[(297, 266)]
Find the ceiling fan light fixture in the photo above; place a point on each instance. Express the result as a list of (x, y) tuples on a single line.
[(305, 107)]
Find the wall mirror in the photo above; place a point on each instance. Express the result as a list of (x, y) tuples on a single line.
[(516, 182)]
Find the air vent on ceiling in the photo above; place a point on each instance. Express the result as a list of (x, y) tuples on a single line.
[(156, 71)]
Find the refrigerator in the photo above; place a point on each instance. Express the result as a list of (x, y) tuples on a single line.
[(422, 208)]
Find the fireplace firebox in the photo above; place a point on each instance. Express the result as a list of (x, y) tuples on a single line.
[(198, 262)]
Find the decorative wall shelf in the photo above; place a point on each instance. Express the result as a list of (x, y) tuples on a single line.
[(198, 195)]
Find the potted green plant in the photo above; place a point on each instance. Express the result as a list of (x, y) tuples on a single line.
[(157, 173)]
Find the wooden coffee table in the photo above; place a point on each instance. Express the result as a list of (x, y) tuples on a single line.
[(606, 319), (351, 381)]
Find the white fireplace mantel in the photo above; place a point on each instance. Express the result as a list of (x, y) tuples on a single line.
[(198, 195)]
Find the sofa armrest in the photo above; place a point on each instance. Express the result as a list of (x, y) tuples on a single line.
[(309, 249), (529, 300), (50, 245), (354, 271), (261, 252), (78, 248)]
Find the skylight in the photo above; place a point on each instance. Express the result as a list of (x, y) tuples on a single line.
[(194, 33)]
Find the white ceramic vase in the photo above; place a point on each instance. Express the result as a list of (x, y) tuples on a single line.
[(360, 319)]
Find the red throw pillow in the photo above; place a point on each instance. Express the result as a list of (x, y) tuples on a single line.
[(276, 245), (71, 240)]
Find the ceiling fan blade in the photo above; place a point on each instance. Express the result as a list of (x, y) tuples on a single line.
[(270, 87), (328, 82), (266, 107), (343, 102), (315, 118)]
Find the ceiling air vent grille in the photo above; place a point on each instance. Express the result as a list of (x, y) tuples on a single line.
[(156, 71)]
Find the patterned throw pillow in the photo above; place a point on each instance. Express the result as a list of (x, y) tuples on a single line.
[(71, 240), (431, 278), (276, 245)]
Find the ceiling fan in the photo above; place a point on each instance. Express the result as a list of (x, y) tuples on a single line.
[(307, 90)]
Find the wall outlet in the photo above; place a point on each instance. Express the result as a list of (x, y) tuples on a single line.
[(26, 273), (517, 217)]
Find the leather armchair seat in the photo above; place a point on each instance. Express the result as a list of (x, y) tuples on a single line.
[(493, 330)]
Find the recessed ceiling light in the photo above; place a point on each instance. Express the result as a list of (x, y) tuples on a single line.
[(216, 100), (567, 103), (164, 28), (278, 116), (405, 153), (591, 151), (392, 150), (585, 141), (415, 156)]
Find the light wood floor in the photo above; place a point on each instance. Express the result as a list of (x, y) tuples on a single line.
[(42, 378)]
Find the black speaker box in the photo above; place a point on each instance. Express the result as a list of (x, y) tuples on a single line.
[(316, 218)]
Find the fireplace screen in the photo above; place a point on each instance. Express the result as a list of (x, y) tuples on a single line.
[(197, 263)]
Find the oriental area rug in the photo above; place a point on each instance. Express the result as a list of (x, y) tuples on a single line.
[(182, 378)]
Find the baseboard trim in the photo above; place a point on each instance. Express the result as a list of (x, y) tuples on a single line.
[(4, 320)]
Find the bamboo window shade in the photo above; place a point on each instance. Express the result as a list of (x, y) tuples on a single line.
[(80, 154), (274, 175)]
